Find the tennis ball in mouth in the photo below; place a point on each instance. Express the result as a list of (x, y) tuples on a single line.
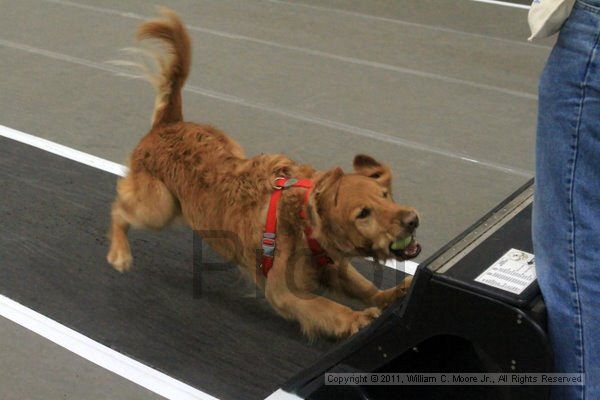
[(401, 244)]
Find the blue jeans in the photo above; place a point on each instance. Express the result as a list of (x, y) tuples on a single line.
[(566, 222)]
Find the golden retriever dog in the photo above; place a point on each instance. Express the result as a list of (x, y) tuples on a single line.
[(198, 174)]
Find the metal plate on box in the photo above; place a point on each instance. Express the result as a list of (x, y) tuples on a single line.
[(513, 272)]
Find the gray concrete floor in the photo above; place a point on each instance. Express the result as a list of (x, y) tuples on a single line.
[(444, 91)]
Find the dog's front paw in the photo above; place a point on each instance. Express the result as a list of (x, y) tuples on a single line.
[(360, 319), (384, 298), (120, 259)]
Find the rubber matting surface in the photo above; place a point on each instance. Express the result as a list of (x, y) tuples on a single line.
[(54, 216)]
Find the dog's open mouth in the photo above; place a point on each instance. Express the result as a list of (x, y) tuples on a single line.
[(406, 248)]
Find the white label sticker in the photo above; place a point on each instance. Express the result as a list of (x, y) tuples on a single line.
[(513, 272)]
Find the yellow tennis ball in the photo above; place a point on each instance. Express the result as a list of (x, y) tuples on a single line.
[(401, 244)]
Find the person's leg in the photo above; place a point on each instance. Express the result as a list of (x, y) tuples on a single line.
[(566, 223)]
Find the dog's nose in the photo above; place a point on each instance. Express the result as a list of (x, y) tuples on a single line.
[(410, 220)]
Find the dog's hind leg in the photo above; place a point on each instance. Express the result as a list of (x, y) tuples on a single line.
[(119, 255), (142, 202)]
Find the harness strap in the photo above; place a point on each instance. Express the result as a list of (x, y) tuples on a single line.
[(269, 238)]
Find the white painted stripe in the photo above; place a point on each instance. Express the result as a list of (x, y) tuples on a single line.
[(408, 267), (405, 23), (504, 3), (99, 354), (358, 131), (63, 151), (318, 53), (280, 394)]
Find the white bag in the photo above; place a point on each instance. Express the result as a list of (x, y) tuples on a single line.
[(546, 17)]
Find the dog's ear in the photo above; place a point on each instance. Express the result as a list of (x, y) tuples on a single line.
[(370, 167), (329, 179)]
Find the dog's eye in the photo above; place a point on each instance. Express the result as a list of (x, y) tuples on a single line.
[(375, 175), (364, 213), (385, 195)]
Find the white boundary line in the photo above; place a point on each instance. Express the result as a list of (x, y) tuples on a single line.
[(414, 24), (318, 53), (408, 267), (504, 4), (281, 394), (63, 151), (99, 354), (301, 116), (307, 6)]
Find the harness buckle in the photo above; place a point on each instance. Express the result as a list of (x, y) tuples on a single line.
[(290, 182), (276, 184), (268, 244)]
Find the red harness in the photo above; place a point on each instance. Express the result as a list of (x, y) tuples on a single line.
[(270, 235)]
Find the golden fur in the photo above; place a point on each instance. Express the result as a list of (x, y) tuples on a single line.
[(197, 173)]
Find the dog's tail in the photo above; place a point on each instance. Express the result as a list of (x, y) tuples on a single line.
[(173, 65)]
